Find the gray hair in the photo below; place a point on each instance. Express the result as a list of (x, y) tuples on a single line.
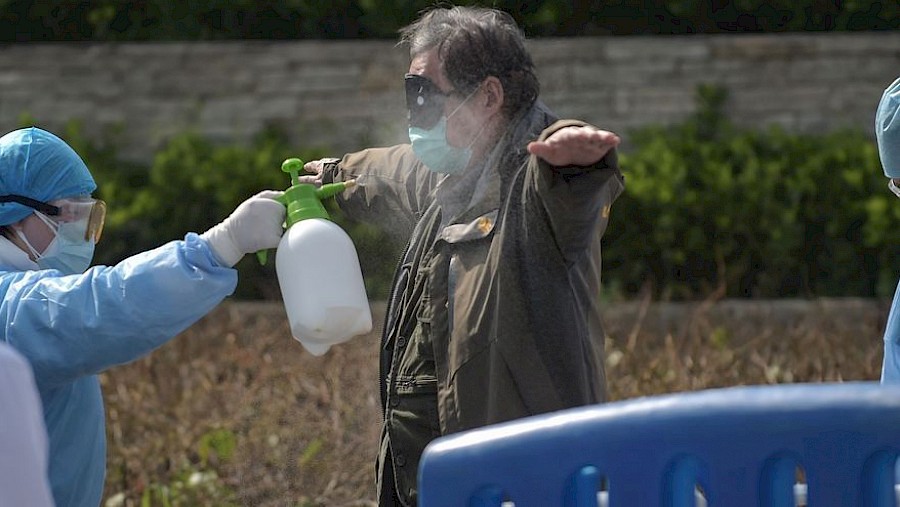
[(474, 43)]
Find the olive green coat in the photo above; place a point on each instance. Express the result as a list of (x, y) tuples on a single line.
[(494, 312)]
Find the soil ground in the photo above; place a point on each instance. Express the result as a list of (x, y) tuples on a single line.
[(235, 412)]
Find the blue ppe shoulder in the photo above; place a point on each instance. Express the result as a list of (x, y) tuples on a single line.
[(890, 369)]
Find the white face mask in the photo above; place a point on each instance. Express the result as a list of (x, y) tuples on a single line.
[(893, 187), (69, 251)]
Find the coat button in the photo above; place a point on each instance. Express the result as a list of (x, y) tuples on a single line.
[(401, 342), (484, 225), (394, 401), (400, 459)]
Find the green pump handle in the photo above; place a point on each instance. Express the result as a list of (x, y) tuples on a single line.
[(304, 200)]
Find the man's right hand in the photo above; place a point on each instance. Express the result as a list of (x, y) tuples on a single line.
[(316, 167)]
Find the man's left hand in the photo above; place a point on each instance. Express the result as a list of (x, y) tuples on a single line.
[(581, 146)]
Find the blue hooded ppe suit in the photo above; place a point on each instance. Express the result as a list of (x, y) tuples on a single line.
[(887, 135), (73, 327)]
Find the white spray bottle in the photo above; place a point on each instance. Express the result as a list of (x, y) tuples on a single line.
[(318, 269)]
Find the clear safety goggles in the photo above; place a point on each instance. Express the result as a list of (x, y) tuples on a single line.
[(73, 209), (893, 187)]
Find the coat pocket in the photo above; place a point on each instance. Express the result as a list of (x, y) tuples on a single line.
[(469, 287), (419, 384)]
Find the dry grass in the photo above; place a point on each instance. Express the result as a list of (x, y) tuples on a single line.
[(235, 395)]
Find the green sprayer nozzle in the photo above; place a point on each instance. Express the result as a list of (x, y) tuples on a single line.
[(293, 166), (304, 200)]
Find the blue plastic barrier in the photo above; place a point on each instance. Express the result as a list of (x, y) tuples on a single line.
[(740, 446)]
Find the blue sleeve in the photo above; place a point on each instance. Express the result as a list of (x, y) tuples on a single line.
[(76, 325), (890, 369)]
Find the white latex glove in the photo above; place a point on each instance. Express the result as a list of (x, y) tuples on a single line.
[(256, 224)]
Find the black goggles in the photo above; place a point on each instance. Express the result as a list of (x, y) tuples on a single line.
[(424, 101), (43, 207)]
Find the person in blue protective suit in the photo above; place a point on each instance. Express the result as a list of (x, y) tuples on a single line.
[(887, 135), (72, 322)]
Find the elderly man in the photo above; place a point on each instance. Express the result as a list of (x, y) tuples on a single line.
[(887, 134), (494, 310)]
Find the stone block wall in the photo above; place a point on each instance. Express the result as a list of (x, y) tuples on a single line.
[(345, 95)]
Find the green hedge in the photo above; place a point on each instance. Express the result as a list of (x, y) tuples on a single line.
[(754, 213), (707, 207), (191, 185), (140, 20)]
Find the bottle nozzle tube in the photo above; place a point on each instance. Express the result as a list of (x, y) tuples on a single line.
[(331, 189)]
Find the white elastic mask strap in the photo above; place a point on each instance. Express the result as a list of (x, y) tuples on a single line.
[(47, 220), (53, 227), (461, 104), (34, 253), (483, 125), (477, 135)]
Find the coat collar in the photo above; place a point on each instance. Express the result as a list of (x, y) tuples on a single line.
[(478, 191)]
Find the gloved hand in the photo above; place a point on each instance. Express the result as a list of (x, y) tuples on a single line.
[(256, 224)]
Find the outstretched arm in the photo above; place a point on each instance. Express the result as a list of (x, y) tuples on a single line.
[(580, 146), (574, 174), (392, 190)]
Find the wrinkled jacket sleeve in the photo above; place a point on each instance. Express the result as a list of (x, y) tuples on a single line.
[(77, 325), (574, 197), (393, 187)]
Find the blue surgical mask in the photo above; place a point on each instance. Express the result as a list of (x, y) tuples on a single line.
[(69, 252), (432, 149)]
